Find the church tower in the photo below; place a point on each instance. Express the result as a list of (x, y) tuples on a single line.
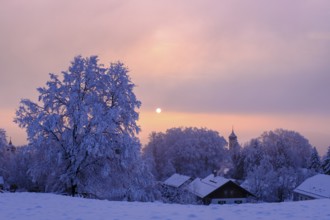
[(11, 147), (233, 143)]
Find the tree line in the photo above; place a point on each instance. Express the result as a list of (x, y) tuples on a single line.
[(270, 166), (82, 135)]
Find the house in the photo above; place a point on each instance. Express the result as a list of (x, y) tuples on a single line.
[(177, 180), (315, 187), (219, 190)]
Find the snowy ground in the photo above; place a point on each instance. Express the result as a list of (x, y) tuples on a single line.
[(49, 206)]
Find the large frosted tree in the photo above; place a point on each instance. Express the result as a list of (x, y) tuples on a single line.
[(83, 126)]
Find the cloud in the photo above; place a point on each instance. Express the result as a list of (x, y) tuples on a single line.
[(210, 56), (319, 36), (220, 60)]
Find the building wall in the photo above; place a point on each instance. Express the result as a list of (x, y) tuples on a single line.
[(229, 190), (230, 193), (229, 201), (301, 197)]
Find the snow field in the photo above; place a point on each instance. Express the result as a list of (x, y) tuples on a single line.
[(49, 206)]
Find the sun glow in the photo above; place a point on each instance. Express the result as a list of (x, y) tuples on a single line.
[(158, 110)]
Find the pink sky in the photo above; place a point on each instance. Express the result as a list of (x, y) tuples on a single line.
[(258, 65)]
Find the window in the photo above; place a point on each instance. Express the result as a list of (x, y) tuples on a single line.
[(221, 202), (238, 201)]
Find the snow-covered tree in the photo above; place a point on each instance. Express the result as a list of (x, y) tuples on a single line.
[(261, 179), (237, 164), (252, 154), (152, 153), (326, 163), (3, 138), (179, 195), (284, 148), (285, 154), (315, 161), (286, 181), (3, 145), (12, 163), (18, 165), (84, 121), (189, 151), (272, 185)]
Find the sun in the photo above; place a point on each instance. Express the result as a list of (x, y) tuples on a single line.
[(158, 110)]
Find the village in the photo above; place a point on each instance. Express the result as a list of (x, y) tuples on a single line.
[(214, 188)]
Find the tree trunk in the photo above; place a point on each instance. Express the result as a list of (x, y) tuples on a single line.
[(73, 188)]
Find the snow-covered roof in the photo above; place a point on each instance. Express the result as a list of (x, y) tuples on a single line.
[(245, 185), (203, 187), (317, 187), (176, 180), (1, 180)]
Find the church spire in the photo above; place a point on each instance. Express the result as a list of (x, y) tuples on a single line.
[(10, 146), (232, 139), (232, 136)]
